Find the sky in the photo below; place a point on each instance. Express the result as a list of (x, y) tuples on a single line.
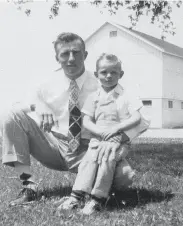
[(26, 49)]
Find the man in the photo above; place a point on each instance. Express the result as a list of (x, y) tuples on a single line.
[(53, 134)]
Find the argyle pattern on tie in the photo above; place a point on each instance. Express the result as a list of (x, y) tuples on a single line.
[(74, 133)]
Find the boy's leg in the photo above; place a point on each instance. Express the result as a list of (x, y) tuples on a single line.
[(84, 180), (117, 173), (113, 172), (105, 174), (87, 172), (102, 186), (104, 179)]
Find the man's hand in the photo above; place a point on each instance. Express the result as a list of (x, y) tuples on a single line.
[(107, 149), (47, 121)]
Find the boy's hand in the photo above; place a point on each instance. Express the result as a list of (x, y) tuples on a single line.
[(110, 132)]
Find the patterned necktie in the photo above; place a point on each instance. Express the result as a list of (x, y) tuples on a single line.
[(74, 133)]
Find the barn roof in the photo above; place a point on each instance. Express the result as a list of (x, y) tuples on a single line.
[(157, 43)]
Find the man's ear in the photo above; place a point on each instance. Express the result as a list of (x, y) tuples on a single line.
[(85, 54), (96, 74), (121, 74), (56, 57)]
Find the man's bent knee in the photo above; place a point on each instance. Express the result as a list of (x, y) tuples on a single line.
[(123, 177), (10, 114)]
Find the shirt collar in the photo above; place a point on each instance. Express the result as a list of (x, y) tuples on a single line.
[(118, 90), (80, 81)]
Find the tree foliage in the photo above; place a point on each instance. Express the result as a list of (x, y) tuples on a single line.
[(158, 12)]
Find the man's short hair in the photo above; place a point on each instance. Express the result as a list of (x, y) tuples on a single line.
[(109, 57), (67, 37)]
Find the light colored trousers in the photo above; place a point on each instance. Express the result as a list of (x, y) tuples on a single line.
[(96, 179), (22, 137)]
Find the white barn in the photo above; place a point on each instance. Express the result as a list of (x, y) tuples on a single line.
[(152, 67)]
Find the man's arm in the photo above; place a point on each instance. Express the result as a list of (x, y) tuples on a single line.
[(39, 110)]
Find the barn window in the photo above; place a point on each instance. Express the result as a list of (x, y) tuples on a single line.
[(147, 103), (181, 105), (112, 34), (170, 104)]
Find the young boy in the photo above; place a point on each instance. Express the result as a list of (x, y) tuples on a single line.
[(111, 116)]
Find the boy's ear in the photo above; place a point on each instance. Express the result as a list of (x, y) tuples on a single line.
[(121, 74), (86, 54), (96, 74)]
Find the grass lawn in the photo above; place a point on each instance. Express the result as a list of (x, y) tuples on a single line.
[(156, 197)]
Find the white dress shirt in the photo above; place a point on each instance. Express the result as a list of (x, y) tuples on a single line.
[(53, 97), (126, 105)]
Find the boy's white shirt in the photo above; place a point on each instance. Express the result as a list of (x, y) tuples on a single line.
[(125, 102)]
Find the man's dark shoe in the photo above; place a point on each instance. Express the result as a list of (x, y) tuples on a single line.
[(25, 196)]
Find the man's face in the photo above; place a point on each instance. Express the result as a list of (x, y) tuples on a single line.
[(71, 56), (109, 73)]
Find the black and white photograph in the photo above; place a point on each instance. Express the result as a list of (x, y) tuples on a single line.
[(91, 113)]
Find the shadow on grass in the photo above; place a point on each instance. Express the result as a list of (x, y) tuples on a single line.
[(55, 192), (134, 197), (129, 199)]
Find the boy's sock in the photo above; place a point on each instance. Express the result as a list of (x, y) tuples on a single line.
[(80, 195), (99, 200)]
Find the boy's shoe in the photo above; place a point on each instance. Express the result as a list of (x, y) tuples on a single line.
[(70, 203), (25, 196), (91, 207)]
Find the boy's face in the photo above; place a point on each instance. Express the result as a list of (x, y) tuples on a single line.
[(109, 73), (71, 56)]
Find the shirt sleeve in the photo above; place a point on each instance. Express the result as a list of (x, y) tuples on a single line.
[(39, 106), (89, 105), (133, 103), (29, 99), (39, 101)]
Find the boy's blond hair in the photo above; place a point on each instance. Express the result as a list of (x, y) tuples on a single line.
[(109, 57)]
